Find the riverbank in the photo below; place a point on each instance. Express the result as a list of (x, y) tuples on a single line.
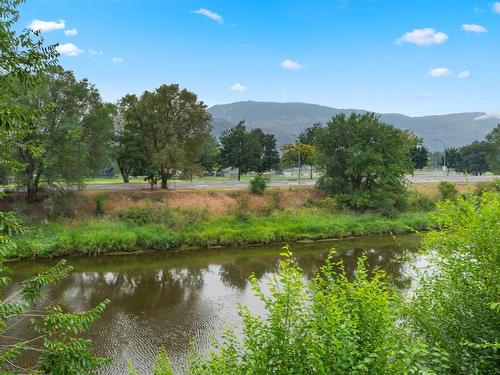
[(174, 230)]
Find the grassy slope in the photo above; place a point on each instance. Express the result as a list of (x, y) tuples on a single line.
[(108, 235)]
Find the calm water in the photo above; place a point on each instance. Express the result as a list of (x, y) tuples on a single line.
[(172, 299)]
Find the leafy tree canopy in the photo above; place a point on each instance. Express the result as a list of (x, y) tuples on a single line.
[(364, 160), (172, 125), (240, 149)]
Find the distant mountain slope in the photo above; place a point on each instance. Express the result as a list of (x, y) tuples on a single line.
[(286, 119)]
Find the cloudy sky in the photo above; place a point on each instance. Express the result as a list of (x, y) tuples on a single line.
[(415, 57)]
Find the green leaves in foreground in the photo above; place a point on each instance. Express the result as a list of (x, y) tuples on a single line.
[(328, 325)]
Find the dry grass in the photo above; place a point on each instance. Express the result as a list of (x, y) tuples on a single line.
[(431, 190), (216, 202)]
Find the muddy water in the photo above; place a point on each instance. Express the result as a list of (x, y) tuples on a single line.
[(178, 298)]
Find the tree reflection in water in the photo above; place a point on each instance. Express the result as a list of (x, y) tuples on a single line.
[(171, 299)]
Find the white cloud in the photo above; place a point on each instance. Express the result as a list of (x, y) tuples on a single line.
[(422, 37), (464, 75), (472, 28), (496, 7), (439, 72), (69, 49), (43, 26), (208, 13), (117, 60), (95, 53), (71, 32), (238, 87), (291, 65)]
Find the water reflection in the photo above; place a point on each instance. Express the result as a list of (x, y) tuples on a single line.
[(173, 299)]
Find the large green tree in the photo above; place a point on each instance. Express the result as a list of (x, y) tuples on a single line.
[(474, 158), (128, 143), (240, 149), (269, 158), (56, 346), (364, 160), (172, 125), (70, 138)]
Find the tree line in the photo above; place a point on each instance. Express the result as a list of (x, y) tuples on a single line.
[(73, 134)]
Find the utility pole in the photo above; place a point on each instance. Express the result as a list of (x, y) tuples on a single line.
[(444, 156), (299, 162)]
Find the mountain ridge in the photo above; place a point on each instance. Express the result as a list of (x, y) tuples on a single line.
[(285, 120)]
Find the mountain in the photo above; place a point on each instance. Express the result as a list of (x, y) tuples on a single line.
[(285, 120)]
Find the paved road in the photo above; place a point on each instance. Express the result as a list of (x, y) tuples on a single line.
[(431, 177)]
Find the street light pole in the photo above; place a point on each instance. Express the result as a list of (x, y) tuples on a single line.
[(444, 155)]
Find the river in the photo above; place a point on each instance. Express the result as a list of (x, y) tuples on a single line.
[(177, 298)]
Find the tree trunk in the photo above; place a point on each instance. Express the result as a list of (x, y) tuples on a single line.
[(163, 177), (125, 176), (239, 174), (311, 175), (123, 172)]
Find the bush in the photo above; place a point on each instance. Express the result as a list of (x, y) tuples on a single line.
[(490, 186), (330, 204), (447, 190), (258, 184), (420, 202), (455, 304), (143, 215), (99, 205), (61, 204)]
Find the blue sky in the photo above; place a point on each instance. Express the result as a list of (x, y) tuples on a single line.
[(415, 57)]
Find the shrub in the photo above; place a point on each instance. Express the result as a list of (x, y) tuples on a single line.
[(454, 303), (447, 190), (61, 204), (99, 205), (258, 184), (273, 203), (420, 202), (330, 204), (143, 215), (490, 186)]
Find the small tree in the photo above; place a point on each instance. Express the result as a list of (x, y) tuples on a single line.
[(240, 149), (269, 159), (453, 159), (293, 152), (419, 156), (364, 160)]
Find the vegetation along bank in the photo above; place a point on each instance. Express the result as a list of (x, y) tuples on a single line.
[(98, 223)]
